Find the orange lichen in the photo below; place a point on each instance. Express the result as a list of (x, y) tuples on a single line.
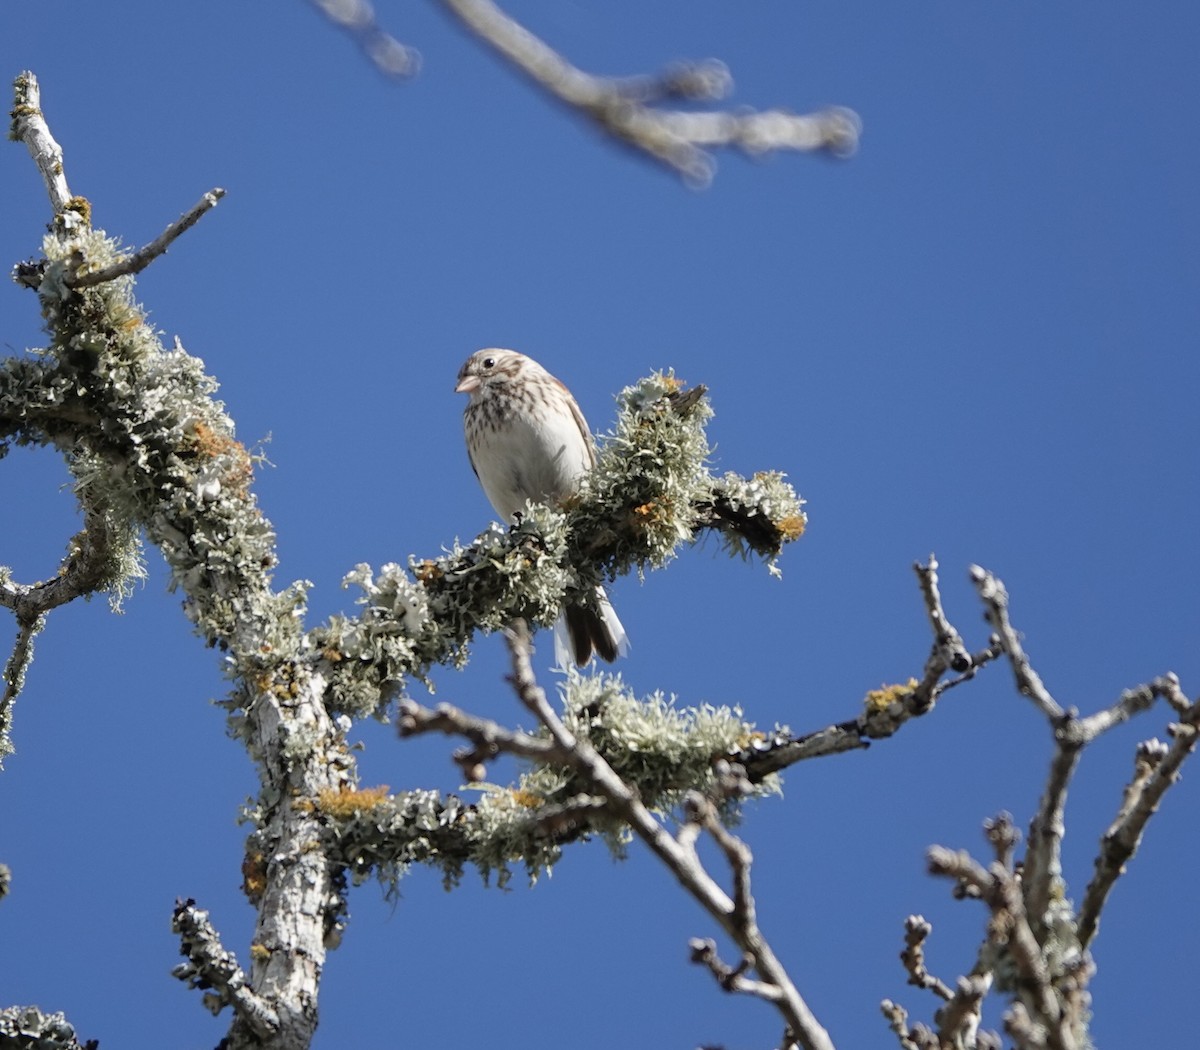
[(209, 444), (528, 799), (792, 527), (343, 803)]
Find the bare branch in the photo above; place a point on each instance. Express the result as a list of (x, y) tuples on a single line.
[(490, 738), (731, 978), (14, 677), (948, 650), (357, 18), (676, 138), (995, 599), (958, 1021), (29, 126), (1130, 703), (887, 709), (1156, 768), (1011, 935), (916, 930), (918, 1038), (143, 257)]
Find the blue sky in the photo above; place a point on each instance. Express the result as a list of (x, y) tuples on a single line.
[(977, 337)]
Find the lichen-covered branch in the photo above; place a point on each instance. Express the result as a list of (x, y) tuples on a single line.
[(650, 493), (735, 915), (662, 752), (28, 1028), (14, 677), (151, 450), (209, 966)]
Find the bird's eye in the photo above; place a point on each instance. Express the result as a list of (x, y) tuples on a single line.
[(489, 362)]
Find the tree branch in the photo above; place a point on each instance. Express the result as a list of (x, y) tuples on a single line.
[(916, 931), (209, 965), (144, 256), (995, 599), (676, 138), (736, 915), (357, 18), (1156, 768), (29, 126), (14, 677), (885, 710), (166, 462)]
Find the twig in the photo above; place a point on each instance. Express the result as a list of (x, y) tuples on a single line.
[(143, 257), (949, 650), (83, 571), (29, 126), (917, 1038), (1043, 861), (14, 676), (1156, 768), (676, 138), (886, 710), (916, 930), (490, 738), (958, 1021), (357, 18), (1010, 932), (730, 978), (995, 599), (209, 965)]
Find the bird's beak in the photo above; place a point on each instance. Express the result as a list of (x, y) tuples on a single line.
[(467, 385)]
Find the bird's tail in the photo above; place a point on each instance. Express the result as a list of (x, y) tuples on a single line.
[(585, 629)]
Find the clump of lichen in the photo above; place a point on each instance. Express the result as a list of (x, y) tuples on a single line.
[(29, 1028), (638, 505), (659, 749), (663, 749), (760, 514)]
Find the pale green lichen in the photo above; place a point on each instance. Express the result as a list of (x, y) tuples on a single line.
[(152, 448), (415, 618), (660, 750)]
